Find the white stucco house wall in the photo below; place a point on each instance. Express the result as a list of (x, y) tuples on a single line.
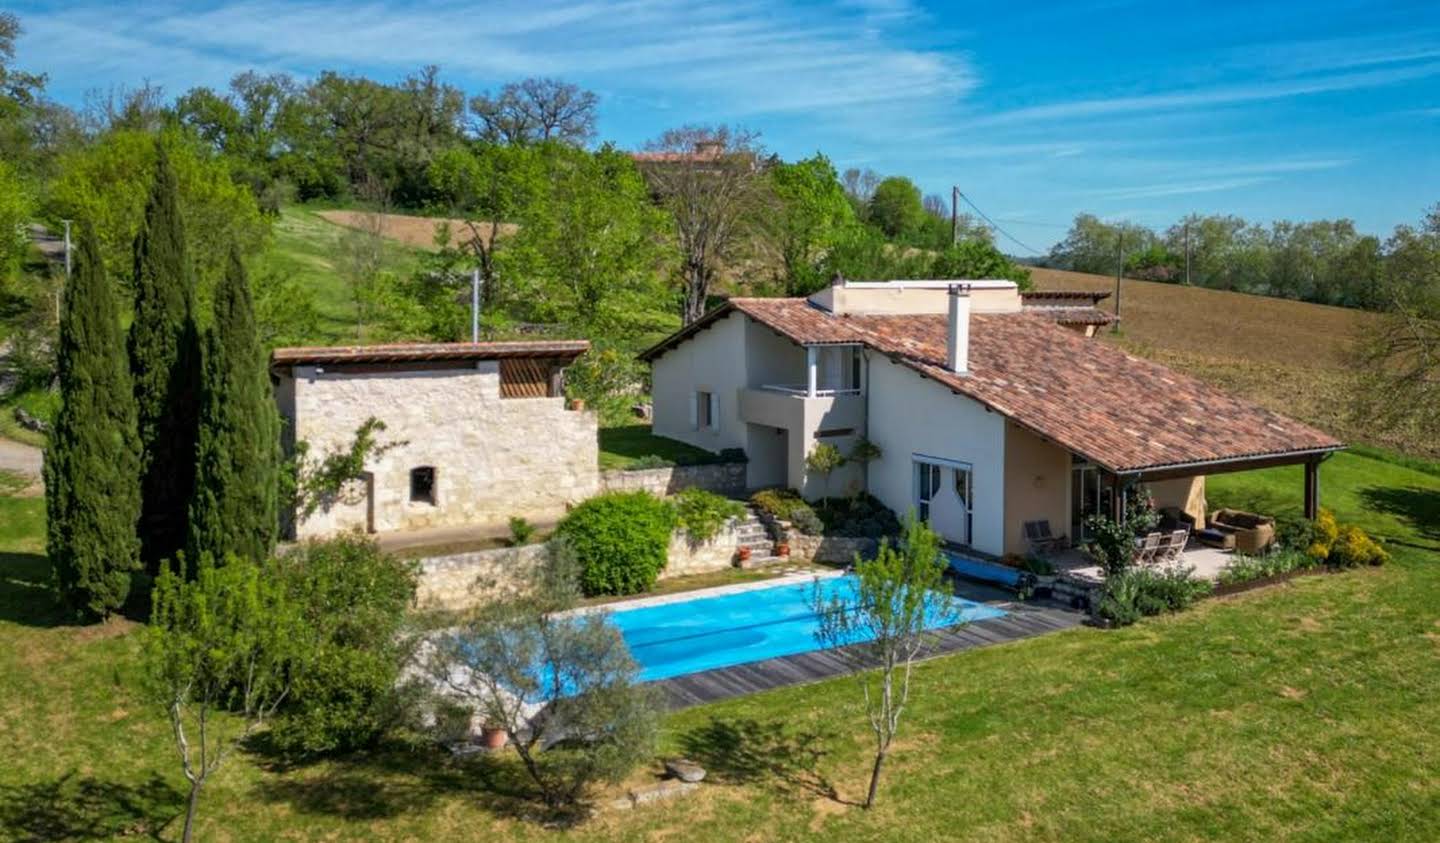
[(477, 432), (988, 411)]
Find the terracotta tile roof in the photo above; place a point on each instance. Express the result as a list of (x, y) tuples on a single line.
[(1073, 315), (413, 352), (1122, 412), (1045, 297)]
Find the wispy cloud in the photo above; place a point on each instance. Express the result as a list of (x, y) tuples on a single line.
[(1156, 191), (732, 60)]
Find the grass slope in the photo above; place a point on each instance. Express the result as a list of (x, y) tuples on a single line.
[(1298, 712), (1293, 357)]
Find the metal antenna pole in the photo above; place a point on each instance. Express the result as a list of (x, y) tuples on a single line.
[(954, 215), (67, 249), (475, 305)]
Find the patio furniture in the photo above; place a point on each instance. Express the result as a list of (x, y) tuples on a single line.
[(1041, 540), (1252, 533), (1175, 518), (1148, 546), (1171, 546)]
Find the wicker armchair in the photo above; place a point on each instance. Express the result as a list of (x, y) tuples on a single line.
[(1253, 533)]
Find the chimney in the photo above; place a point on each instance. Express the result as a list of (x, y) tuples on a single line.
[(957, 334)]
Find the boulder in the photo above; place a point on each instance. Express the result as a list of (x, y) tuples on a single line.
[(685, 770)]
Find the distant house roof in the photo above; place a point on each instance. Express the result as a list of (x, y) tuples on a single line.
[(424, 352), (1122, 412), (1068, 307)]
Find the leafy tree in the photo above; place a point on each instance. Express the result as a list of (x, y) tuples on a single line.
[(1092, 245), (881, 626), (824, 459), (347, 690), (216, 647), (813, 212), (92, 462), (712, 182), (16, 209), (233, 509), (286, 312), (976, 259), (534, 111), (110, 183), (588, 247), (527, 667), (165, 366), (895, 208), (19, 94)]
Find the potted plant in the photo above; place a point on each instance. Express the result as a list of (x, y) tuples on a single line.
[(577, 404), (744, 554), (782, 549), (493, 737)]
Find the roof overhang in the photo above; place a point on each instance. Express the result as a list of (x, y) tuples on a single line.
[(401, 354), (1226, 465)]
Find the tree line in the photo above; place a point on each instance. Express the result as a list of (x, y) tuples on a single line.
[(1319, 261)]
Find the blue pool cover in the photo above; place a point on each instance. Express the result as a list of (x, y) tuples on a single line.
[(672, 639), (983, 571)]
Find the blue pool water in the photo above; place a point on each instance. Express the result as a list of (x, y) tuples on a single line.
[(672, 639)]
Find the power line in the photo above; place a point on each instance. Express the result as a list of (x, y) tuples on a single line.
[(1011, 237)]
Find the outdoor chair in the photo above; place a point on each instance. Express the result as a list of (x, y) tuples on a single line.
[(1173, 547), (1041, 540), (1148, 548)]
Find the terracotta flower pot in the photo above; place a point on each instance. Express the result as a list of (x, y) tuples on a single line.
[(744, 554), (492, 737), (782, 550), (577, 404)]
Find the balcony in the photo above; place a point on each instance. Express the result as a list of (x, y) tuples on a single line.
[(791, 407), (803, 390)]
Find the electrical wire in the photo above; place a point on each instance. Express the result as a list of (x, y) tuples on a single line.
[(993, 225)]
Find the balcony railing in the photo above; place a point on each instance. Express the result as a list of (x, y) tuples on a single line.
[(802, 391)]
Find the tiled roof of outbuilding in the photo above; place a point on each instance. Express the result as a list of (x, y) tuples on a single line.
[(416, 352)]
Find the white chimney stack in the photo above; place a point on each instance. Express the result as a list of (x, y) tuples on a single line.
[(957, 339)]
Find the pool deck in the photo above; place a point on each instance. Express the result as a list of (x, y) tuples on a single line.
[(1022, 620)]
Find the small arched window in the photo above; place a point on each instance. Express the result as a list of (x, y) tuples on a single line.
[(422, 484)]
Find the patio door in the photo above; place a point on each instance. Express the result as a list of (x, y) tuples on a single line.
[(1089, 495), (944, 497)]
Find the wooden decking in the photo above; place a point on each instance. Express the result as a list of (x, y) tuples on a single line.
[(1022, 620)]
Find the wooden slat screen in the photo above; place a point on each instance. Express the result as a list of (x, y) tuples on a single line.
[(525, 377)]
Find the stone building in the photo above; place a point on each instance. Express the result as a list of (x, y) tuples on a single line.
[(479, 432)]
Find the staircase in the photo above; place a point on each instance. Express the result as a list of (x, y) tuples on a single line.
[(751, 532)]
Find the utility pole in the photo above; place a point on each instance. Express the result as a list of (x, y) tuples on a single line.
[(1187, 251), (67, 249), (475, 305), (954, 215), (1119, 267)]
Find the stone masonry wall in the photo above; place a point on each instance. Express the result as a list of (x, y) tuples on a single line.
[(493, 457), (721, 478), (466, 579)]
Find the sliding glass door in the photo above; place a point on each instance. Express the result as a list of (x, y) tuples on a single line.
[(944, 497)]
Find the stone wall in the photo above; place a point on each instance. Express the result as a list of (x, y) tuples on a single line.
[(834, 550), (465, 579), (493, 457), (721, 478)]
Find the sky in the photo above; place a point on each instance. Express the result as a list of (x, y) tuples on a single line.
[(1301, 109)]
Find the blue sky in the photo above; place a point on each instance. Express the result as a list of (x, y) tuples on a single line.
[(1038, 111)]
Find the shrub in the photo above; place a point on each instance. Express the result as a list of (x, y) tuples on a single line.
[(1112, 542), (353, 599), (1295, 533), (609, 381), (1325, 533), (521, 531), (650, 461), (862, 516), (1353, 547), (702, 513), (1138, 592), (732, 455), (620, 540), (1249, 568)]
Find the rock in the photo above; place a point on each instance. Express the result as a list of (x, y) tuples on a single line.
[(30, 422), (642, 411), (685, 770), (668, 789)]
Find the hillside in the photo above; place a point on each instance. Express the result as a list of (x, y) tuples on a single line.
[(1293, 357)]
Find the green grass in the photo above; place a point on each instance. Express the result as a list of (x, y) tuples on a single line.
[(621, 447), (1301, 712)]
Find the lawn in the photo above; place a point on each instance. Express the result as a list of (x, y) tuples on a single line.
[(1300, 712), (624, 446)]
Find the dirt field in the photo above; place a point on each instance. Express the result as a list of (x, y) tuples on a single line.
[(415, 231), (1293, 357)]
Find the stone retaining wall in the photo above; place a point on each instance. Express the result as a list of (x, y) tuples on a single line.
[(465, 579), (834, 550), (722, 478)]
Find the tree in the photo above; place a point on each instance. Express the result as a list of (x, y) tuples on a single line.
[(1094, 246), (712, 182), (883, 622), (217, 646), (824, 459), (526, 666), (534, 111), (16, 207), (92, 461), (1399, 387), (165, 366), (19, 95), (895, 208), (233, 509), (813, 213)]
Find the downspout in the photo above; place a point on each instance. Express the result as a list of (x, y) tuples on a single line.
[(865, 425)]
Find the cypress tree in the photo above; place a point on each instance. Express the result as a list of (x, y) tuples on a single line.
[(233, 510), (165, 366), (92, 463)]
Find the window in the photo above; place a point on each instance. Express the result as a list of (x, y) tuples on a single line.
[(705, 411), (422, 484), (928, 484)]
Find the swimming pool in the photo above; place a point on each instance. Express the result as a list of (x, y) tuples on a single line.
[(672, 639)]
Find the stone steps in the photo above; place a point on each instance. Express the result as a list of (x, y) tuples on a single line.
[(752, 534)]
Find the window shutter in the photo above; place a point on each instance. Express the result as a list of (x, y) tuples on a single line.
[(694, 411), (714, 411)]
